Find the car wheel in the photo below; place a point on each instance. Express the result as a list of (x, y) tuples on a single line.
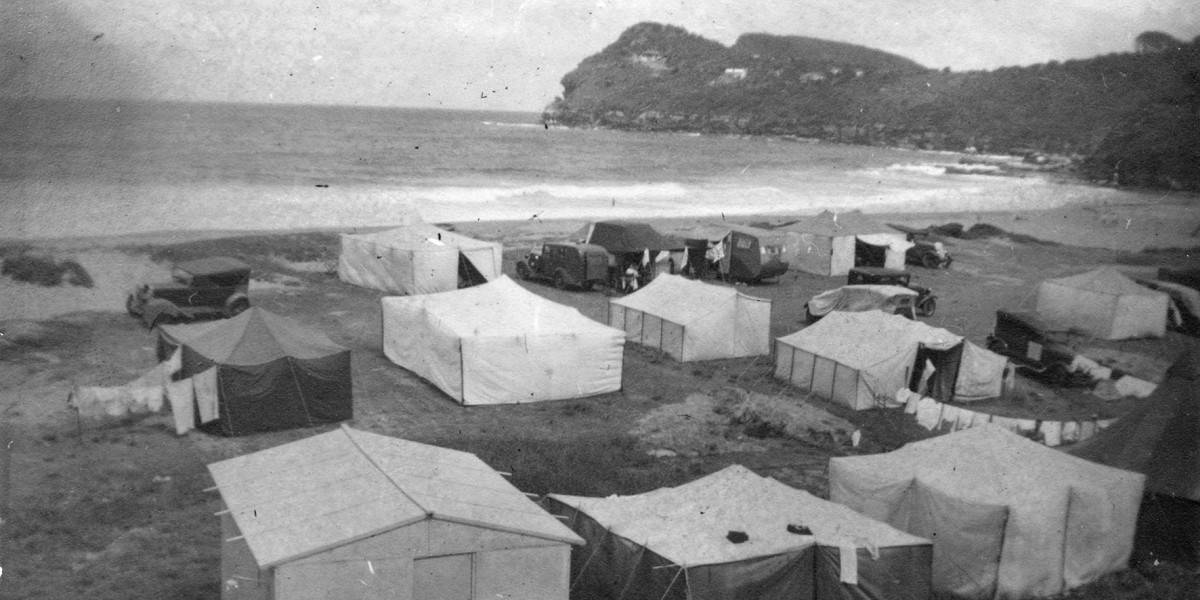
[(997, 345), (927, 307), (588, 285), (523, 271), (809, 317), (237, 307), (560, 282), (930, 261)]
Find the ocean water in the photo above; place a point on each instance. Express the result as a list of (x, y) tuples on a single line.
[(70, 168)]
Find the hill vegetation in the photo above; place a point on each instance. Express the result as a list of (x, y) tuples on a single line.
[(1130, 118)]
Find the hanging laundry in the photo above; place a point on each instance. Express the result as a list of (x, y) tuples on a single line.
[(966, 419), (948, 418), (1086, 430), (848, 563), (909, 399), (205, 384), (146, 399), (180, 396), (1051, 433), (1070, 431), (929, 413)]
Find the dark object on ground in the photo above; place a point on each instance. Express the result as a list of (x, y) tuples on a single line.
[(737, 537), (931, 255), (891, 299), (566, 264), (1035, 349), (798, 529), (45, 271), (204, 288), (926, 303)]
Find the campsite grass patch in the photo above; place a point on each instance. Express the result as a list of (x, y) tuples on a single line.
[(584, 466)]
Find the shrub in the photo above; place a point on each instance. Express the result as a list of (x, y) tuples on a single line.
[(43, 270)]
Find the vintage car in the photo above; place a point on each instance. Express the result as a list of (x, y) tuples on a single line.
[(567, 264), (926, 302), (1035, 349), (209, 287), (931, 255), (858, 298)]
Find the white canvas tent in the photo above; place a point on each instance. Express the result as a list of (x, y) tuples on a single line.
[(858, 358), (1009, 517), (824, 244), (674, 543), (498, 343), (1104, 303), (356, 515), (417, 258), (690, 320)]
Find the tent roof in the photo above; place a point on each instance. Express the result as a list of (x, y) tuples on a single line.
[(863, 339), (989, 464), (254, 337), (1104, 280), (839, 224), (626, 236), (335, 488), (681, 300), (688, 524), (1160, 437), (420, 236), (502, 307)]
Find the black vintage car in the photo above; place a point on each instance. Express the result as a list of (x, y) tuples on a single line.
[(1036, 350), (209, 287), (926, 303), (567, 265)]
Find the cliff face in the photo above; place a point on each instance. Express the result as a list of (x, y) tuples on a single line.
[(660, 77)]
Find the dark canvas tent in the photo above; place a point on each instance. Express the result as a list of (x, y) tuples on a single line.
[(1009, 517), (355, 515), (272, 372), (621, 237), (1160, 438), (680, 543)]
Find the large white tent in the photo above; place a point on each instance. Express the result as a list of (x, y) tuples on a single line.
[(691, 320), (825, 243), (1104, 303), (417, 258), (1009, 517), (859, 358), (498, 343), (356, 515), (682, 542)]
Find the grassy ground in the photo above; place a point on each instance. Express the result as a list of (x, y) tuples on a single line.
[(119, 510)]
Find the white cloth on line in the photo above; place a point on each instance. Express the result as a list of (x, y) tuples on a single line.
[(180, 396), (929, 413), (1051, 433), (205, 384)]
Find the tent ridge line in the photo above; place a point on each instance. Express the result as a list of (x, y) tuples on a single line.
[(346, 430), (337, 544)]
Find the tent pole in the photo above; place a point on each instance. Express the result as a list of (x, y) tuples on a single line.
[(584, 566), (633, 569), (672, 584)]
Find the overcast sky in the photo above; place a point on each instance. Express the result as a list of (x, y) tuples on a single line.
[(496, 54)]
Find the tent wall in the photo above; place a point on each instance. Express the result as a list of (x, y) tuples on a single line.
[(501, 370), (397, 564), (810, 252), (281, 394), (412, 267), (1106, 316), (826, 378), (650, 330), (896, 573), (424, 346)]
